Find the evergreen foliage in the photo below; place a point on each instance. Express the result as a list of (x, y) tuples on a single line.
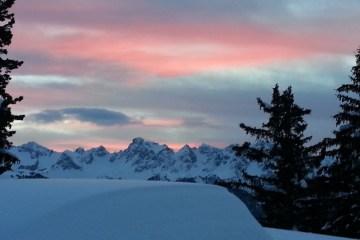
[(7, 21), (344, 173), (284, 157)]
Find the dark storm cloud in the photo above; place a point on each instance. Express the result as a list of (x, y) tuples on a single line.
[(100, 117)]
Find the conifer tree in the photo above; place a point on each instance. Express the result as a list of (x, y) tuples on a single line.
[(344, 173), (7, 21), (281, 150)]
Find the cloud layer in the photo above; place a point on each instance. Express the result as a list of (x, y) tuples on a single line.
[(97, 116), (182, 71)]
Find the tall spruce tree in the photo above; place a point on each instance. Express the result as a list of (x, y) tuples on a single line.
[(7, 21), (344, 173), (284, 158)]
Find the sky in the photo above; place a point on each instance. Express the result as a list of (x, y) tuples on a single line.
[(175, 72)]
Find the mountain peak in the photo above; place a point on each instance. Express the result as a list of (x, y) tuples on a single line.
[(100, 148), (31, 143), (79, 150), (185, 148), (138, 140), (204, 145), (141, 160), (33, 146)]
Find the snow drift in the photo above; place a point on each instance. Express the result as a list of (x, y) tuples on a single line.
[(113, 209), (279, 234)]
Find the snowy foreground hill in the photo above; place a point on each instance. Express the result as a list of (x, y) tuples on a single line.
[(141, 160), (132, 210)]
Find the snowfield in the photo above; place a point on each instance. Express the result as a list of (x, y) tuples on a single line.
[(129, 210), (65, 209), (279, 234)]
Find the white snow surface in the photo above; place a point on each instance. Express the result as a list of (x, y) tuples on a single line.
[(141, 160), (279, 234), (60, 209)]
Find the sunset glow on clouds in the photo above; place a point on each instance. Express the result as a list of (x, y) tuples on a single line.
[(180, 71)]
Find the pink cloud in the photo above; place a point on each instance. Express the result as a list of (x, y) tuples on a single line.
[(45, 97), (165, 50), (158, 122), (136, 34)]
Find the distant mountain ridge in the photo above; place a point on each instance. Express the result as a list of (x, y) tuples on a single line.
[(141, 160)]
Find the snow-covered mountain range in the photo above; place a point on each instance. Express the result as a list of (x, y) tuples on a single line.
[(141, 160)]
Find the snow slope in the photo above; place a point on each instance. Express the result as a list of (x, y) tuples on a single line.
[(279, 234), (113, 209)]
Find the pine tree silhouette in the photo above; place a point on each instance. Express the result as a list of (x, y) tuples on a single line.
[(7, 21), (281, 151), (344, 174)]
